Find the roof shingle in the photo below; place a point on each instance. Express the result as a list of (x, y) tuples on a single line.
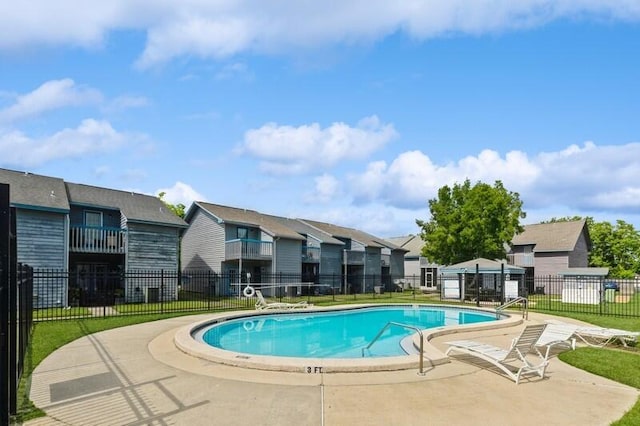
[(135, 207), (551, 237), (36, 191)]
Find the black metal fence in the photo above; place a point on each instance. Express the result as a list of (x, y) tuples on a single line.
[(589, 295), (61, 294), (570, 294), (15, 311)]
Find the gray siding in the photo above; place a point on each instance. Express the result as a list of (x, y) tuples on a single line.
[(202, 244), (372, 262), (331, 260), (550, 263), (411, 267), (152, 247), (288, 256), (41, 243), (397, 264), (522, 255), (41, 239), (579, 257)]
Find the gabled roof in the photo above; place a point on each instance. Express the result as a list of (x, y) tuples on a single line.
[(240, 216), (412, 243), (27, 190), (135, 207), (337, 231), (305, 229), (485, 266), (552, 237)]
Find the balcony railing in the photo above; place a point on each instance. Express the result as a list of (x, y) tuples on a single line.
[(311, 254), (521, 259), (355, 257), (248, 249), (83, 239)]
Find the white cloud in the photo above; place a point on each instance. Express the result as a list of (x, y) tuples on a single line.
[(181, 193), (588, 178), (293, 150), (89, 138), (379, 220), (50, 95), (326, 189), (224, 28)]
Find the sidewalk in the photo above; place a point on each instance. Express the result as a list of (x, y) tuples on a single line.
[(136, 376)]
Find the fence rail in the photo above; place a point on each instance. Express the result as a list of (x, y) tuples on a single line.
[(61, 294)]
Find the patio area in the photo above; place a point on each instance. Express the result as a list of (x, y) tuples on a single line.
[(136, 376)]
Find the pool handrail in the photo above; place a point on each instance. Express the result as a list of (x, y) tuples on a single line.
[(525, 304), (399, 324)]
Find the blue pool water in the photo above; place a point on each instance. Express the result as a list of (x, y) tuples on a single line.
[(334, 334)]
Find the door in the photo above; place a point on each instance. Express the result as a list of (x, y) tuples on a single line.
[(92, 284)]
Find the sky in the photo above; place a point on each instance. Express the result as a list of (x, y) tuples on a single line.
[(350, 112)]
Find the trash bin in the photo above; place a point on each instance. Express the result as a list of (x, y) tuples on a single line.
[(610, 295)]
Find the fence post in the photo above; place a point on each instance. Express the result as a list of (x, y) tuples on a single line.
[(5, 370), (14, 370), (161, 290), (476, 278), (209, 289)]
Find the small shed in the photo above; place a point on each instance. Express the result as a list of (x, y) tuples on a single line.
[(482, 280), (583, 285)]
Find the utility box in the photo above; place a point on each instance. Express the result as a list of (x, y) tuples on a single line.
[(151, 295)]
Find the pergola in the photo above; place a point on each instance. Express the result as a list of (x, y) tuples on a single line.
[(482, 279)]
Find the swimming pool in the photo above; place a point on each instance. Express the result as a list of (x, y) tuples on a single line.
[(334, 334)]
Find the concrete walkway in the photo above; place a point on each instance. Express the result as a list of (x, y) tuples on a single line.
[(136, 376)]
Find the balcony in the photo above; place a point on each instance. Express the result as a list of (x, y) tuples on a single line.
[(83, 239), (354, 257), (521, 259), (311, 254), (248, 249)]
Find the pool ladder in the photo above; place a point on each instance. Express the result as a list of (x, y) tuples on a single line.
[(399, 324), (525, 306)]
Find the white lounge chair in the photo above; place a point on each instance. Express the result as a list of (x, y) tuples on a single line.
[(602, 336), (262, 304), (556, 335), (502, 358), (592, 335)]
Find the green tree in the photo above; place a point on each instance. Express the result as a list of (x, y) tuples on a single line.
[(616, 247), (471, 221), (178, 209)]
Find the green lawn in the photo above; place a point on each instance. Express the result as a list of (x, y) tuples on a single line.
[(616, 364)]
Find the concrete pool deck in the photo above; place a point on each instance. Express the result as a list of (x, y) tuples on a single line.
[(135, 375)]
